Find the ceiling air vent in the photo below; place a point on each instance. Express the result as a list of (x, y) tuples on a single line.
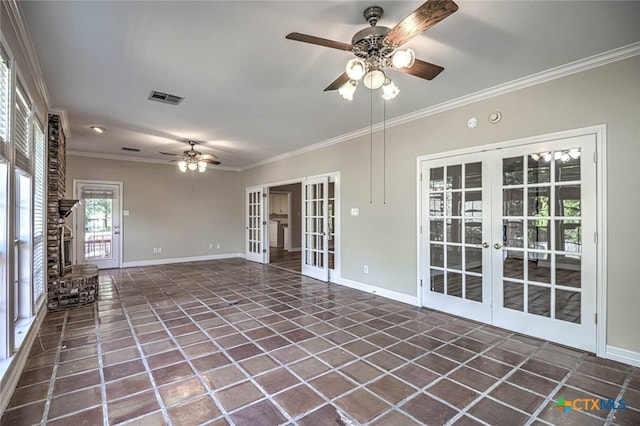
[(124, 148), (165, 98)]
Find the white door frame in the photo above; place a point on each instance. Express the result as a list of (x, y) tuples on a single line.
[(600, 133), (120, 242), (263, 255), (334, 274)]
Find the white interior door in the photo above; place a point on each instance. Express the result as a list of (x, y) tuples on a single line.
[(509, 238), (255, 225), (456, 227), (315, 228), (97, 223), (544, 228)]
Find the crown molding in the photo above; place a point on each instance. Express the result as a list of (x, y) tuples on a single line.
[(137, 159), (64, 118), (26, 45), (501, 89)]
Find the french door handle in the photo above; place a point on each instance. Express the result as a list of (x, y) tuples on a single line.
[(485, 244), (497, 246)]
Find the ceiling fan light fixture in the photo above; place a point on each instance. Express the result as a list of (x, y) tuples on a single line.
[(182, 165), (356, 68), (348, 89), (403, 58), (202, 166), (389, 90), (192, 166), (374, 79)]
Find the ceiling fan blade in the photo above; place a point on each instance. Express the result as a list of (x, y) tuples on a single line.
[(319, 41), (208, 157), (338, 82), (423, 18), (422, 69), (209, 160), (169, 153)]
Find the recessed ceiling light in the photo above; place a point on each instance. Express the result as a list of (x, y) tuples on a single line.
[(97, 129)]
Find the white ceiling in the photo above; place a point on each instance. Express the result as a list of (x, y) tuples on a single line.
[(251, 95)]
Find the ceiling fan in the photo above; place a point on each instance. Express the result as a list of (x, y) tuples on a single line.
[(193, 160), (376, 48)]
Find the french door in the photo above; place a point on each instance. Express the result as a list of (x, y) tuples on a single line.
[(97, 221), (255, 225), (509, 238), (315, 228)]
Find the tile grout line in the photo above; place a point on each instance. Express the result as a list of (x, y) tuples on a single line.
[(54, 371), (144, 362), (620, 395), (103, 383)]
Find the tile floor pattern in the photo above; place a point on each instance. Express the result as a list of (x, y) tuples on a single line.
[(234, 342)]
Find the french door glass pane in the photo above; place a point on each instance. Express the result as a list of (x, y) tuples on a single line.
[(512, 171), (538, 169), (513, 264), (455, 230), (542, 265), (512, 204), (473, 175)]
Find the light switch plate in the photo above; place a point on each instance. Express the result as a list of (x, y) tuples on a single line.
[(355, 211)]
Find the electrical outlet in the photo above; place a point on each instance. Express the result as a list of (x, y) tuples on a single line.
[(210, 246), (155, 250), (217, 246), (366, 269), (159, 250)]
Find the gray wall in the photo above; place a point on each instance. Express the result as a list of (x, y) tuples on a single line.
[(181, 212), (384, 235), (162, 201)]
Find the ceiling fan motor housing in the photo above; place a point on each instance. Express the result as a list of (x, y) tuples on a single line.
[(368, 44), (373, 14)]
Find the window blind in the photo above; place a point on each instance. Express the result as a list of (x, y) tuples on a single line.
[(22, 129), (39, 199), (39, 212), (100, 193), (4, 99)]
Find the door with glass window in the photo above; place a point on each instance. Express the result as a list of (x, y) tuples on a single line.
[(455, 218), (509, 238), (544, 241), (97, 224), (255, 229), (315, 228)]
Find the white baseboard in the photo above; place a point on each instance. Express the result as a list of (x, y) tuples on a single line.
[(623, 355), (152, 262), (389, 294), (15, 365)]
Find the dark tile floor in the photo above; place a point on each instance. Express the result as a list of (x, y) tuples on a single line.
[(234, 342)]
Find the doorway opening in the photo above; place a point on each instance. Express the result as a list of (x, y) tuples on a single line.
[(285, 226), (294, 225)]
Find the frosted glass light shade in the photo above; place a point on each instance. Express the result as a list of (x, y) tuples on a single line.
[(348, 89), (403, 58), (182, 165), (202, 166), (374, 79), (192, 166), (389, 90), (355, 69)]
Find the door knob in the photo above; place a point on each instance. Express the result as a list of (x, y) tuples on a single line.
[(485, 244), (497, 246)]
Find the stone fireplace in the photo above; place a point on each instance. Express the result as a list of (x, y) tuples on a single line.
[(68, 285)]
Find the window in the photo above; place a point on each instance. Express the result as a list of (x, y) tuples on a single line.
[(39, 213)]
